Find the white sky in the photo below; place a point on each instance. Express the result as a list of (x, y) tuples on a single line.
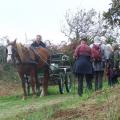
[(44, 17)]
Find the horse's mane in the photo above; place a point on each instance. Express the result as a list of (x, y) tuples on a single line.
[(23, 52), (26, 54)]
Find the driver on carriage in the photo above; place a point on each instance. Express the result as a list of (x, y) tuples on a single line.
[(38, 42)]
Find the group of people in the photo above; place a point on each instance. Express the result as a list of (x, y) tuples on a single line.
[(92, 61)]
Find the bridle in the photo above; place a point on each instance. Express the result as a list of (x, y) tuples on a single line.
[(14, 56)]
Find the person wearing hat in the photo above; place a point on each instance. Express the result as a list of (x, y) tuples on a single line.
[(107, 47), (38, 42), (98, 64), (108, 51), (83, 65)]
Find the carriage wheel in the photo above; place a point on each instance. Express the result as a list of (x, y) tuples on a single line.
[(68, 82), (61, 83)]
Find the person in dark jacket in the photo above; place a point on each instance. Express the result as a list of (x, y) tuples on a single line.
[(83, 65), (38, 42), (114, 65)]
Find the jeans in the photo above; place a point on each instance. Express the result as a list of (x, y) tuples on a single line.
[(98, 80), (80, 82)]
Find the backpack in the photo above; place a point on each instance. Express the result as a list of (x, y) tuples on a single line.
[(84, 50), (96, 52)]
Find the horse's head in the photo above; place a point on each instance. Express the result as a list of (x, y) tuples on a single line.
[(12, 53)]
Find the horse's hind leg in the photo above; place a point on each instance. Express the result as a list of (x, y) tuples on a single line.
[(27, 83), (37, 84)]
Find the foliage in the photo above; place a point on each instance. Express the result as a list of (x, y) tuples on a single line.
[(9, 73), (3, 40), (88, 24), (113, 14), (3, 54)]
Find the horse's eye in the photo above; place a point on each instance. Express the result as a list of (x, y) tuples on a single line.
[(6, 51), (13, 50)]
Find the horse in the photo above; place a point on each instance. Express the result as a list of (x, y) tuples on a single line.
[(25, 60)]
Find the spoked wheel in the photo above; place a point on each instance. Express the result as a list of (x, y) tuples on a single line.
[(61, 83), (68, 82)]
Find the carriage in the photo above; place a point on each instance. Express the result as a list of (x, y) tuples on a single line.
[(60, 73), (34, 70)]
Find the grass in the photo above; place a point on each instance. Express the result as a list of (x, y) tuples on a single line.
[(37, 107), (11, 105), (103, 104)]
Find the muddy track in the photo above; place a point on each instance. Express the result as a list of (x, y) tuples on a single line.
[(91, 110)]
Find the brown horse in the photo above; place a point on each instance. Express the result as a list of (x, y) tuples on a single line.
[(25, 60)]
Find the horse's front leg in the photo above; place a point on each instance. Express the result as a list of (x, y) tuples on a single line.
[(37, 84), (33, 80), (23, 84)]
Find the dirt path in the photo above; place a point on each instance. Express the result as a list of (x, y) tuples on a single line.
[(92, 109)]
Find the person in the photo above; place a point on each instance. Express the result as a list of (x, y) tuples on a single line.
[(114, 63), (83, 65), (38, 42), (108, 51), (106, 47), (98, 65)]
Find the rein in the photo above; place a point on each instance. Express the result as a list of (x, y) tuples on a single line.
[(42, 58)]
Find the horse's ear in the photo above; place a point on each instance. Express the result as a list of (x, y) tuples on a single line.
[(15, 41), (8, 41)]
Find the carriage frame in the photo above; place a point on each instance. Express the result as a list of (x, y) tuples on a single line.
[(61, 71)]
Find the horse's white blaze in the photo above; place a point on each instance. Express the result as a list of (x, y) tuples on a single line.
[(9, 57)]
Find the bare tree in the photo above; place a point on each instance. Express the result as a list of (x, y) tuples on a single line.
[(89, 24), (78, 24)]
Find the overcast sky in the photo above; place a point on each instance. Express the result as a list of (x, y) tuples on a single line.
[(44, 17)]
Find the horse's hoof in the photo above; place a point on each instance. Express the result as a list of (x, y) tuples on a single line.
[(24, 98), (33, 96), (42, 95), (38, 94)]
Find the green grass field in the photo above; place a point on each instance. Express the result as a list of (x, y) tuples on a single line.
[(100, 105), (92, 105)]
